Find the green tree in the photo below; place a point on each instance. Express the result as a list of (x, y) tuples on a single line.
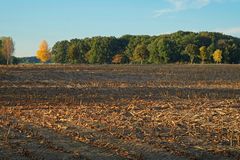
[(189, 38), (210, 51), (72, 53), (234, 53), (192, 51), (15, 60), (76, 51), (222, 44), (169, 48), (168, 51), (59, 52), (140, 54), (154, 55), (163, 50), (133, 42), (102, 50), (203, 39)]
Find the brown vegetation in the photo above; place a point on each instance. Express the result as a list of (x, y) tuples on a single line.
[(120, 112)]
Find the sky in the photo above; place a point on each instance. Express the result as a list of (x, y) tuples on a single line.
[(29, 22)]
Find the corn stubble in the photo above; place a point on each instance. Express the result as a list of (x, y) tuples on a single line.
[(120, 112)]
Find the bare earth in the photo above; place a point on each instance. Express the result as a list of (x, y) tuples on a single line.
[(120, 112)]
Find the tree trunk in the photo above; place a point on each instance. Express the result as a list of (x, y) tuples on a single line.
[(192, 60)]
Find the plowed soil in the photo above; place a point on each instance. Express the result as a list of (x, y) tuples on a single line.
[(120, 112)]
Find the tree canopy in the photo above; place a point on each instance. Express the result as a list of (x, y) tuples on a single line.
[(43, 54), (217, 56), (6, 50), (178, 47)]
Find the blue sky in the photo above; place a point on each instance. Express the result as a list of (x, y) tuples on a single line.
[(29, 22)]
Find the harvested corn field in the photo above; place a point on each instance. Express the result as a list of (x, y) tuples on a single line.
[(120, 112)]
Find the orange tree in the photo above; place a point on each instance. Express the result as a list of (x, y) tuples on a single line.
[(43, 54)]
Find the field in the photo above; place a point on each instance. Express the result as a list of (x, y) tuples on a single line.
[(120, 112)]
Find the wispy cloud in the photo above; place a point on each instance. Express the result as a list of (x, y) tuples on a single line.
[(181, 5), (231, 31)]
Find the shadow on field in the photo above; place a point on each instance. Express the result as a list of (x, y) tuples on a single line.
[(62, 95)]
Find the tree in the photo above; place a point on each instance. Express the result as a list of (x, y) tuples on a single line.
[(117, 59), (43, 54), (203, 53), (102, 50), (191, 50), (133, 42), (234, 54), (15, 60), (72, 53), (59, 52), (203, 39), (154, 55), (76, 51), (140, 54), (99, 52), (163, 50), (7, 49), (1, 56), (0, 46), (169, 48), (168, 51), (217, 56)]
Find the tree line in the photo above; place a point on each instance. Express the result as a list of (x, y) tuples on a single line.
[(179, 47)]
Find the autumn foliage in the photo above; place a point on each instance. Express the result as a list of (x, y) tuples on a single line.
[(179, 47), (203, 53), (8, 48), (117, 59), (43, 54), (217, 56)]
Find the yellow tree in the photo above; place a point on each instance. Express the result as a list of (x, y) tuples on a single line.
[(203, 53), (8, 49), (43, 54), (217, 56)]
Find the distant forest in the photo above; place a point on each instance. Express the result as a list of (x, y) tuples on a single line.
[(178, 47)]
